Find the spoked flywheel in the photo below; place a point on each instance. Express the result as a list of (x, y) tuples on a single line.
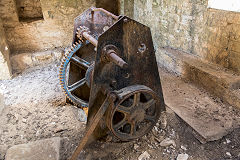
[(135, 113)]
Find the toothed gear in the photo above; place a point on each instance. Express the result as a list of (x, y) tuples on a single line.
[(80, 31), (63, 75)]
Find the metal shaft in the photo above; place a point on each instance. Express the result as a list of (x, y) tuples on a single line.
[(116, 59), (111, 54), (90, 38), (106, 12)]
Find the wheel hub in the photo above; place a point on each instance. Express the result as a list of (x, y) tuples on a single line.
[(137, 115)]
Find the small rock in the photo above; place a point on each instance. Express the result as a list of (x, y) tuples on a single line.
[(229, 154), (135, 146), (145, 155), (167, 142), (184, 148), (163, 120), (228, 141), (182, 156), (102, 146), (109, 138), (82, 116)]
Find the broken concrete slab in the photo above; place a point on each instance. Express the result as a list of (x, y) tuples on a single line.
[(47, 149), (209, 118), (216, 80)]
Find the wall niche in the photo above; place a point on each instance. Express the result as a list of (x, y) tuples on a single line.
[(29, 10)]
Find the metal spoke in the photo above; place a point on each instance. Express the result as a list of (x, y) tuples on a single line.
[(136, 99), (80, 62), (149, 118), (133, 128), (149, 104), (120, 124), (123, 109), (77, 85)]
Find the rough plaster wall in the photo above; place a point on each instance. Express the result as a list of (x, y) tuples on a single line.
[(171, 21), (8, 12), (29, 9), (223, 38), (54, 31), (188, 25), (5, 68)]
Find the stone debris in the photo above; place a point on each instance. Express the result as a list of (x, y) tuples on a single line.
[(184, 148), (82, 116), (135, 146), (228, 141), (182, 156), (47, 149), (144, 156), (167, 142), (163, 120), (229, 154)]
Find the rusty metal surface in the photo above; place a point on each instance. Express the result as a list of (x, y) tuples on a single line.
[(94, 21), (108, 101), (134, 42), (82, 53), (112, 57), (135, 112)]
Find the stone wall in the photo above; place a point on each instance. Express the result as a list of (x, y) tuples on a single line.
[(54, 30), (5, 68), (190, 26)]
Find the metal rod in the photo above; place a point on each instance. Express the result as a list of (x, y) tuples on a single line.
[(90, 38), (108, 101), (111, 54), (116, 59), (106, 12)]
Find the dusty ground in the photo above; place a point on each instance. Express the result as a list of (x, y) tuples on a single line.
[(35, 109)]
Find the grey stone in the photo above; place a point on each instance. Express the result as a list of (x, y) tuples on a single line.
[(182, 156), (82, 115), (47, 149), (167, 142), (145, 155)]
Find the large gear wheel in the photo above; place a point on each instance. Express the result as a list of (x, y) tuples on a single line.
[(135, 113), (72, 76)]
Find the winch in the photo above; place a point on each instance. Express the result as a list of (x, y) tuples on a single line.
[(111, 70)]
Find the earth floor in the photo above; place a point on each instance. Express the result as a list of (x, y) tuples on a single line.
[(34, 108)]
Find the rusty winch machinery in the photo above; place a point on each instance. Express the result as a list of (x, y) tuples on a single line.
[(111, 70)]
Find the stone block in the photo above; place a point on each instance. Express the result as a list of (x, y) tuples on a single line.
[(47, 149), (21, 61), (40, 57), (215, 79)]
